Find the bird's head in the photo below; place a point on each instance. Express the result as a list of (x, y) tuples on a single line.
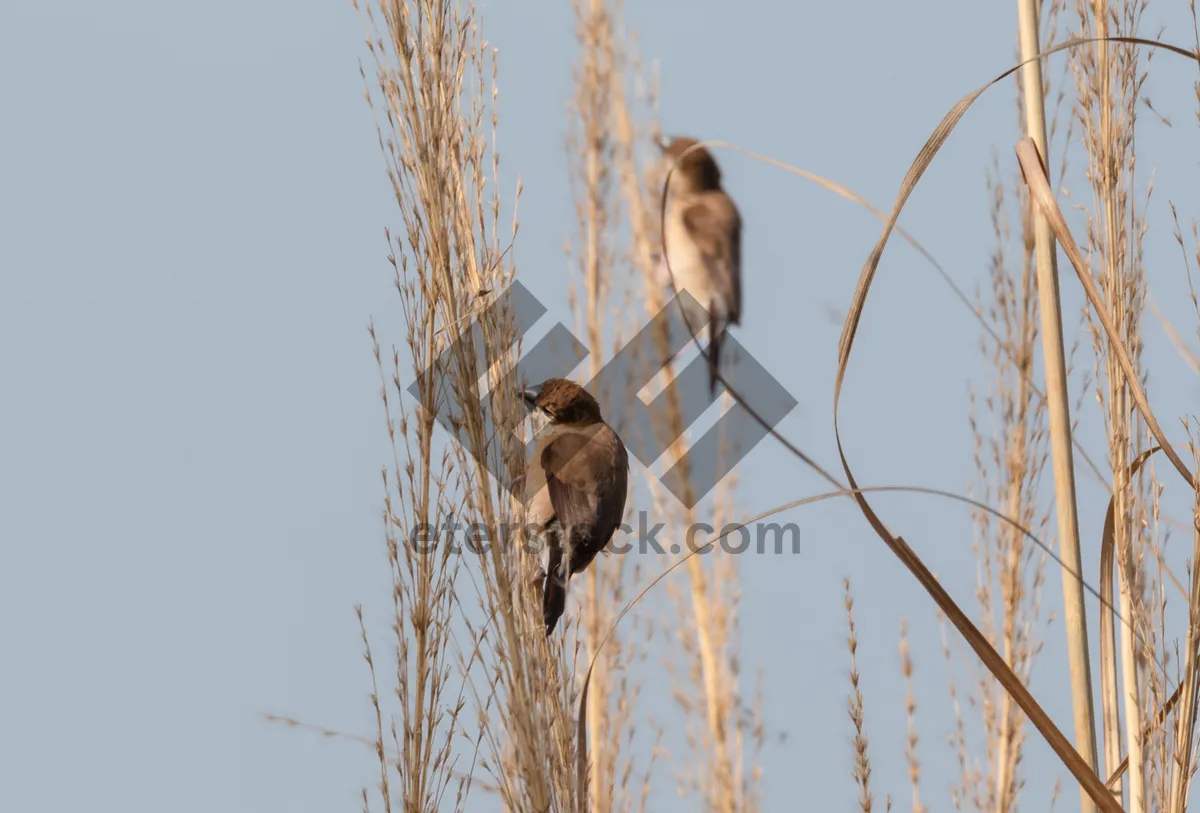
[(563, 401), (695, 169)]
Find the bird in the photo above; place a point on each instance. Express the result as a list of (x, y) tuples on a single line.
[(702, 240), (575, 485)]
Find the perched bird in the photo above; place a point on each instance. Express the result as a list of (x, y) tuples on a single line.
[(574, 486), (702, 241)]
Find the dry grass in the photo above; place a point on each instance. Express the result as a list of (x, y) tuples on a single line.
[(434, 100), (910, 712), (1108, 80), (1010, 427), (854, 705), (592, 147), (1034, 173), (718, 731), (473, 699)]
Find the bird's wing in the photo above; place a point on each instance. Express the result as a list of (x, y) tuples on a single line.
[(587, 478), (572, 480), (715, 227)]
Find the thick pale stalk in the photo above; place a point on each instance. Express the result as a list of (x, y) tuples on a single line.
[(1185, 725), (1129, 677), (1060, 416), (1110, 703), (592, 214), (722, 791)]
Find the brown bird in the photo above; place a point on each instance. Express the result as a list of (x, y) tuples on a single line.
[(574, 486), (703, 241)]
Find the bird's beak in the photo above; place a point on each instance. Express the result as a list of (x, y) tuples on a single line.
[(662, 141), (531, 395)]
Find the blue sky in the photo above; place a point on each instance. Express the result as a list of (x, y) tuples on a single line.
[(193, 204)]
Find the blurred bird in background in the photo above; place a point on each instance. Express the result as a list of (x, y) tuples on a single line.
[(702, 240)]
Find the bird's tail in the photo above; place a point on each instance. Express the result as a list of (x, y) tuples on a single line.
[(554, 595), (715, 332)]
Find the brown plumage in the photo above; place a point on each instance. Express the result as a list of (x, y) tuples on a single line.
[(703, 240), (575, 485)]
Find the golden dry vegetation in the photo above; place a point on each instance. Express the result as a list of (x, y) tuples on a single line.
[(475, 706)]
